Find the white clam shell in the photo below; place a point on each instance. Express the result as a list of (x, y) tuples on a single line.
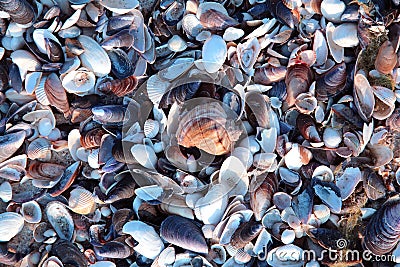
[(324, 173), (81, 201), (337, 51), (332, 10), (214, 53), (332, 137), (211, 207), (320, 47), (322, 213), (177, 44), (345, 35), (120, 6), (191, 25), (25, 61), (79, 81), (180, 66), (232, 34), (5, 191), (39, 36), (233, 175), (45, 127), (31, 211), (74, 142), (288, 236), (94, 58), (93, 159), (267, 139), (348, 181), (150, 244), (244, 155), (32, 81), (387, 98), (72, 20), (144, 155), (11, 224), (59, 217)]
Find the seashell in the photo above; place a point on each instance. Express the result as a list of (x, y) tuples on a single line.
[(31, 211), (337, 51), (120, 7), (94, 58), (184, 233), (81, 201), (233, 176), (25, 61), (386, 59), (282, 13), (45, 171), (73, 48), (320, 48), (244, 155), (247, 53), (245, 234), (56, 94), (52, 262), (269, 75), (11, 224), (381, 154), (174, 13), (191, 25), (150, 244), (179, 94), (177, 44), (123, 189), (59, 217), (151, 128), (144, 155), (120, 39), (68, 253), (114, 250), (297, 157), (384, 102), (7, 257), (10, 143), (329, 194), (306, 103), (120, 218), (216, 20), (348, 181), (382, 232), (92, 138), (373, 185), (345, 35), (54, 51), (197, 129), (298, 80), (261, 190), (68, 177), (121, 64), (332, 137), (110, 114), (331, 82), (79, 81), (363, 97), (232, 34), (5, 191), (20, 11), (332, 10), (119, 88), (211, 207), (214, 53), (137, 30), (308, 129)]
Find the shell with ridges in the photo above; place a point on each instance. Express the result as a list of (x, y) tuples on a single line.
[(81, 201), (11, 224)]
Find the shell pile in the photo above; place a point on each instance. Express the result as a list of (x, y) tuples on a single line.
[(200, 133)]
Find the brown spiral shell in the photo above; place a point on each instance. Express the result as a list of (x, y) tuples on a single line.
[(120, 87), (208, 128)]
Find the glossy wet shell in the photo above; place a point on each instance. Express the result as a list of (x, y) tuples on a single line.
[(60, 219)]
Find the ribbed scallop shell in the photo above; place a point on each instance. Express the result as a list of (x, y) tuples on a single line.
[(208, 128), (119, 88), (39, 148), (31, 211), (11, 224), (40, 92), (10, 143), (298, 80), (81, 201), (386, 59), (60, 219), (151, 128)]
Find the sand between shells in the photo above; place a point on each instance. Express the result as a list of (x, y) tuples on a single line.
[(194, 133)]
